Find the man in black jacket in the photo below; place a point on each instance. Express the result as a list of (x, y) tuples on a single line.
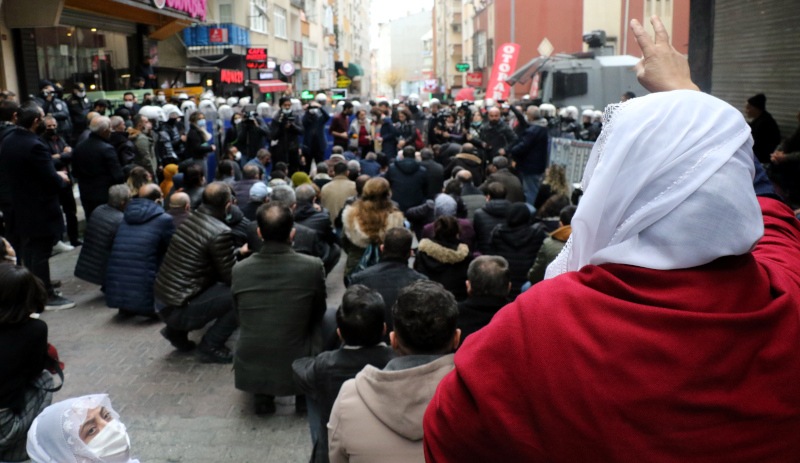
[(361, 327), (488, 284), (99, 235), (490, 216), (193, 284), (766, 133), (409, 180), (35, 185), (392, 273), (95, 164), (61, 153), (434, 172)]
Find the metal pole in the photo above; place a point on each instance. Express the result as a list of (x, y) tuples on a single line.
[(625, 28), (513, 35)]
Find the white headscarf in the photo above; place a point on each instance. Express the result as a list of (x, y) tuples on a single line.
[(54, 436), (668, 186)]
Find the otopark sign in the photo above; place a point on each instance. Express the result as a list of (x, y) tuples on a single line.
[(505, 63), (462, 67)]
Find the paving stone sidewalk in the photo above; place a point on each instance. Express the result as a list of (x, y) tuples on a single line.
[(176, 409)]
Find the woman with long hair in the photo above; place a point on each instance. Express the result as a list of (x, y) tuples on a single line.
[(554, 183), (24, 381), (365, 221)]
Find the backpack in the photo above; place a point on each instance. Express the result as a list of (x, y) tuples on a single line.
[(371, 256)]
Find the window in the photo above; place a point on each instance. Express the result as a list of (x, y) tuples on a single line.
[(309, 54), (566, 85), (258, 16), (480, 50), (225, 13), (280, 23), (311, 10)]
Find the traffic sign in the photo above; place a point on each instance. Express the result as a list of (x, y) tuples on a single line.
[(462, 67), (545, 48)]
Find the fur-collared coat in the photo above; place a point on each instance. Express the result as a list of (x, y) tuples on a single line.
[(445, 263), (356, 239)]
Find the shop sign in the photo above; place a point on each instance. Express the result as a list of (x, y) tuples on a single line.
[(431, 85), (287, 68), (218, 35), (231, 76), (474, 79), (256, 58), (343, 82), (505, 63), (462, 67), (195, 8), (266, 75)]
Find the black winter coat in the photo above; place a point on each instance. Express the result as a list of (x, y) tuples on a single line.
[(497, 136), (286, 135), (35, 185), (435, 175), (139, 247), (126, 151), (519, 245), (446, 263), (409, 182), (322, 376), (200, 254), (319, 221), (530, 152), (197, 147), (471, 162), (486, 219), (97, 242), (314, 135), (387, 278), (514, 190), (95, 164), (476, 312)]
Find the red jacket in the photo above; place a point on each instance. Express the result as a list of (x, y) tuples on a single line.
[(620, 363)]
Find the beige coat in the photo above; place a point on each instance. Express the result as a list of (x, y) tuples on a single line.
[(334, 194), (378, 415)]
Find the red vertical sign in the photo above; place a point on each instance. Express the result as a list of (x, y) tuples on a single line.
[(505, 63)]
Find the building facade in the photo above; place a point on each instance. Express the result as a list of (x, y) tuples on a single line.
[(101, 44), (401, 53), (448, 44)]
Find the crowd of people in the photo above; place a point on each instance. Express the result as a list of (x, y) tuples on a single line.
[(657, 299)]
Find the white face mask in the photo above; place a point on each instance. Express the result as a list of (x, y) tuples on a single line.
[(81, 94), (161, 98), (129, 104), (112, 444), (236, 156)]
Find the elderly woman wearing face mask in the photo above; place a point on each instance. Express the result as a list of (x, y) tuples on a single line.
[(80, 430)]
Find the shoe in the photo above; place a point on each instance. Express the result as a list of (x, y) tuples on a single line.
[(264, 404), (55, 283), (178, 339), (75, 243), (56, 302), (207, 353), (61, 247), (300, 405)]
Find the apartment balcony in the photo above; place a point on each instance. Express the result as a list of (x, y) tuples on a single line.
[(454, 18), (297, 51), (301, 4)]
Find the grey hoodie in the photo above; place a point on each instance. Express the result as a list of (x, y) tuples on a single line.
[(378, 415)]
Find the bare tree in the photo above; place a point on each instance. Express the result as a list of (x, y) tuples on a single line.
[(392, 78)]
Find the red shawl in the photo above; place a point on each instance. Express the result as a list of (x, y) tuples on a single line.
[(621, 363)]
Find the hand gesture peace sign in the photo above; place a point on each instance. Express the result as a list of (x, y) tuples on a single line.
[(662, 67)]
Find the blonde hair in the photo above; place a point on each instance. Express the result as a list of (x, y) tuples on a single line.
[(374, 208), (556, 177)]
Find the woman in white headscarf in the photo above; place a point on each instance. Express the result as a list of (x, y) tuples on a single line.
[(80, 430), (668, 329)]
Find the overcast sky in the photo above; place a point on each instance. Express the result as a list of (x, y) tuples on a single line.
[(386, 10)]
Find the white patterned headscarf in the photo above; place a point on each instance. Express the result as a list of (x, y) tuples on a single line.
[(54, 436), (668, 186)]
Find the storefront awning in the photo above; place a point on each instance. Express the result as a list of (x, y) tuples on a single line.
[(165, 22), (354, 70), (269, 86)]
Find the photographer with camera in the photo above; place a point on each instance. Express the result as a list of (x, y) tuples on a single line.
[(314, 122), (286, 132), (248, 134)]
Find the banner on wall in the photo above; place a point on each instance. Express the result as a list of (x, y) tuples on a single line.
[(505, 63)]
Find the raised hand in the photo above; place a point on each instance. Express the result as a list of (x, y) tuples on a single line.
[(662, 68)]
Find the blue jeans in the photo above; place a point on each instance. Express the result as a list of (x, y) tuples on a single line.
[(530, 185)]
